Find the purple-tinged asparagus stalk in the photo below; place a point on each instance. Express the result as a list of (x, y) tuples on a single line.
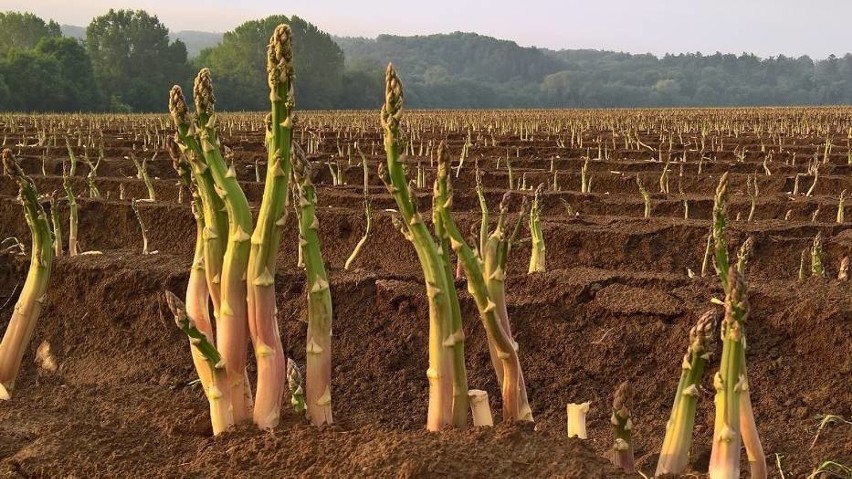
[(232, 326), (515, 406), (266, 238), (197, 293)]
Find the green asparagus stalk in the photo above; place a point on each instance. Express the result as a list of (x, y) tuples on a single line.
[(537, 256), (135, 207), (751, 186), (213, 208), (744, 254), (221, 414), (483, 206), (741, 405), (72, 216), (515, 406), (674, 454), (646, 197), (71, 157), (197, 292), (232, 323), (318, 367), (622, 449), (19, 333), (262, 320), (294, 383), (57, 226), (440, 313), (368, 212), (142, 174), (456, 340), (720, 230), (817, 269), (730, 382), (495, 266)]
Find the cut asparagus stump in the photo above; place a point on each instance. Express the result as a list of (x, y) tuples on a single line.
[(479, 408), (576, 414), (19, 333), (221, 415)]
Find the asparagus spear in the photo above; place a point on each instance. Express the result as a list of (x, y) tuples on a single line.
[(622, 449), (537, 256), (440, 313), (734, 367), (25, 315), (318, 367), (266, 238), (515, 406), (232, 324), (674, 454), (72, 218), (197, 293), (442, 191), (817, 269), (221, 414), (730, 382), (57, 226), (213, 208)]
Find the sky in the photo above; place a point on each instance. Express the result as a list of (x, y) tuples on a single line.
[(764, 27)]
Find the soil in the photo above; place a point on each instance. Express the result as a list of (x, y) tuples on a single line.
[(616, 303)]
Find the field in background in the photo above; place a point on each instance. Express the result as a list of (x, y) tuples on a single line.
[(619, 296)]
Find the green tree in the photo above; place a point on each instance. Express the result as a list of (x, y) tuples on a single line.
[(77, 79), (34, 81), (24, 30), (133, 60), (239, 65)]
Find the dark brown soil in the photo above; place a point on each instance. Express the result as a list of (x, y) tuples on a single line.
[(616, 304)]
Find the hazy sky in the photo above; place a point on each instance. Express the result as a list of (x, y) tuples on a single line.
[(764, 27)]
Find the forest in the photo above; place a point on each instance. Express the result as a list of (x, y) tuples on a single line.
[(124, 60)]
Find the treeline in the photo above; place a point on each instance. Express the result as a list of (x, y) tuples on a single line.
[(127, 62), (472, 71)]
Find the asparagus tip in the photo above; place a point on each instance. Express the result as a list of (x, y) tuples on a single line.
[(392, 109), (177, 307), (301, 165), (203, 92), (280, 52)]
